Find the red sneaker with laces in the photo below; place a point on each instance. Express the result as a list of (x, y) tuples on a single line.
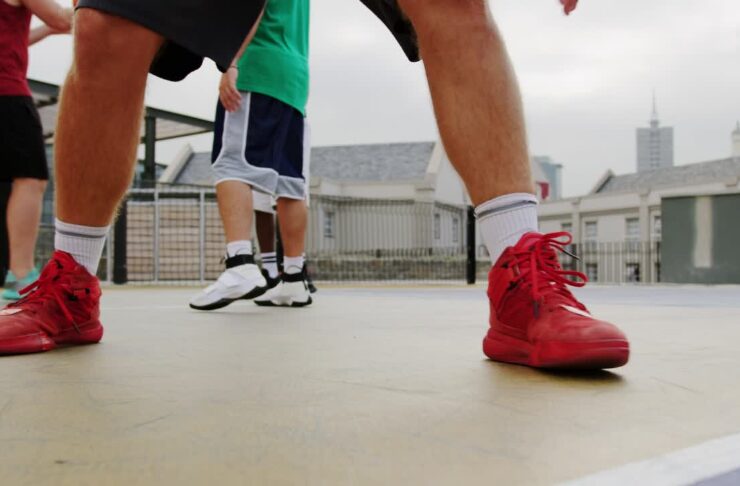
[(62, 308), (536, 321)]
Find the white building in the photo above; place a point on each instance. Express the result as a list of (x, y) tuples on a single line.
[(403, 197), (736, 141), (622, 215), (654, 145)]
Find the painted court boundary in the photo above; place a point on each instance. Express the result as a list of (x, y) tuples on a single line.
[(687, 466)]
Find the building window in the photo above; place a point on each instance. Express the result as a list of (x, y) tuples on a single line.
[(455, 229), (592, 231), (657, 227), (632, 272), (632, 230), (437, 226), (328, 224), (567, 227), (592, 272)]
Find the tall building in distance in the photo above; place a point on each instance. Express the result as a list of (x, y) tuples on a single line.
[(736, 141), (654, 144), (552, 172)]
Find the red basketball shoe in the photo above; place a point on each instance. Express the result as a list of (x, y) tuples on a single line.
[(61, 308), (536, 321)]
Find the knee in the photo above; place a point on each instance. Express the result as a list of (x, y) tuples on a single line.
[(93, 38), (106, 41), (439, 15)]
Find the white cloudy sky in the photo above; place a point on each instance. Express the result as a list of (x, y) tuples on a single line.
[(586, 79)]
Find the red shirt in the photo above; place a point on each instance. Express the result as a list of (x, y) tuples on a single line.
[(15, 26)]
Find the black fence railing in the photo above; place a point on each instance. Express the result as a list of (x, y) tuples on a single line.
[(175, 235)]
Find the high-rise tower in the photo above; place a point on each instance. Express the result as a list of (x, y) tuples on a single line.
[(654, 144)]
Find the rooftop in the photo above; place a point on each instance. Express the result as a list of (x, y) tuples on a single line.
[(375, 162), (699, 173), (347, 163)]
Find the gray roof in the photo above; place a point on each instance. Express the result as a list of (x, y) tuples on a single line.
[(376, 162), (197, 171), (700, 173)]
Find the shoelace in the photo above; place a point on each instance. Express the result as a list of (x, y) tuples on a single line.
[(541, 270), (50, 286)]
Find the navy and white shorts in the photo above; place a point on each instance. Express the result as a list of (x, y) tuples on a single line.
[(266, 144)]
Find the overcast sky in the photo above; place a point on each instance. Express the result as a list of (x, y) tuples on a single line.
[(587, 80)]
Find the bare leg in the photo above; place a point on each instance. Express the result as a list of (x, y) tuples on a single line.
[(293, 219), (265, 223), (100, 116), (235, 206), (475, 95), (24, 214)]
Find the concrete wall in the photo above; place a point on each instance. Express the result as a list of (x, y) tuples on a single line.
[(700, 239)]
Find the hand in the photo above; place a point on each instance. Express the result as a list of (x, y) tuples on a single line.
[(227, 92), (569, 5)]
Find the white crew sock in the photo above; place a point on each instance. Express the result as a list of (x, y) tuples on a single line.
[(239, 247), (293, 265), (503, 221), (84, 243), (269, 263)]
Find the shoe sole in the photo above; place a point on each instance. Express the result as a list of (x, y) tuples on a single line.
[(592, 355), (40, 342), (269, 303), (219, 304)]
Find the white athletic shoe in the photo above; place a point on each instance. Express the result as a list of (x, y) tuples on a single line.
[(242, 279), (292, 291)]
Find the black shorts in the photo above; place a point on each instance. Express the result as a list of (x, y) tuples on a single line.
[(194, 29), (22, 149), (216, 29)]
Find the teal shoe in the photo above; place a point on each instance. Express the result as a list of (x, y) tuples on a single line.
[(10, 280), (13, 292)]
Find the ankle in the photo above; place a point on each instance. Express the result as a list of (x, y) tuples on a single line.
[(293, 265), (21, 272), (84, 243)]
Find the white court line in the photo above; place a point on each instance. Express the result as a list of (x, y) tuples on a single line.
[(687, 466)]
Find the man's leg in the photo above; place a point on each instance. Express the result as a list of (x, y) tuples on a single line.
[(99, 126), (242, 278), (100, 116), (235, 207), (480, 118), (293, 289), (24, 214), (97, 136), (5, 188), (265, 225), (293, 220), (479, 112), (475, 95)]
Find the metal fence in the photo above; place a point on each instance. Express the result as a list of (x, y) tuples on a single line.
[(174, 235), (616, 262)]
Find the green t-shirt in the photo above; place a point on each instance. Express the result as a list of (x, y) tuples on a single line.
[(276, 61)]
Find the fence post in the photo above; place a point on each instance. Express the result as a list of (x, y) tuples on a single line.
[(155, 239), (471, 269), (120, 269), (279, 252), (202, 235)]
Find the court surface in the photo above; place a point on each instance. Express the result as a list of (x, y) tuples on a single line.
[(374, 385)]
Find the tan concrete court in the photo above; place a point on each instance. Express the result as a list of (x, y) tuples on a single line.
[(369, 386)]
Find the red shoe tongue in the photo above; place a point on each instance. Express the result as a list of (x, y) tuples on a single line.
[(66, 260)]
